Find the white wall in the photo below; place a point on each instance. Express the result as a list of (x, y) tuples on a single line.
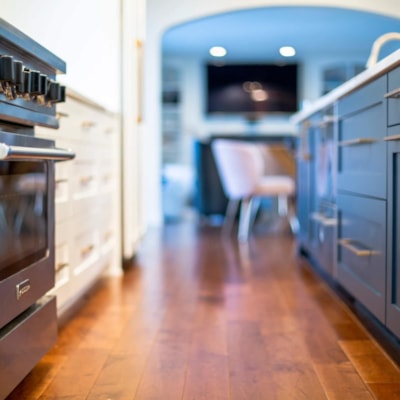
[(84, 33), (162, 15)]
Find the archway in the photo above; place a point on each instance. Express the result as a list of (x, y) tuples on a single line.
[(160, 18), (332, 44)]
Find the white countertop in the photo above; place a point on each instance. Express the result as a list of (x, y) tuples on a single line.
[(369, 74)]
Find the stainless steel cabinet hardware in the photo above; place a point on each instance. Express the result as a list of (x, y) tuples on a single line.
[(359, 251), (392, 138), (394, 94), (323, 220), (355, 142)]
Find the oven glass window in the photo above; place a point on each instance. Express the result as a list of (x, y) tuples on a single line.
[(23, 214)]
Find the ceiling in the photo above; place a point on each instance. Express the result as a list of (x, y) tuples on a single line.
[(257, 34)]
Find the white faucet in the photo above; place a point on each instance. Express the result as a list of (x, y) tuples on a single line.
[(376, 47)]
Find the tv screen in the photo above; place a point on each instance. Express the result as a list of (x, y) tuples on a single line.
[(252, 89)]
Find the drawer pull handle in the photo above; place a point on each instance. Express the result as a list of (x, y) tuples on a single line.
[(392, 138), (349, 244), (108, 235), (304, 157), (356, 142), (58, 181), (326, 120), (88, 124), (323, 220), (329, 118), (60, 114), (86, 250), (61, 266), (394, 94), (85, 179)]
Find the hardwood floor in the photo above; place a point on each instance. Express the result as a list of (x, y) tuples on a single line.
[(201, 317)]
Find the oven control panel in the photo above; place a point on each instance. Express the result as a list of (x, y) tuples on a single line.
[(18, 81), (29, 90)]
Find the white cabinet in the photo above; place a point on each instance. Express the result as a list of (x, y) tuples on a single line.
[(88, 200)]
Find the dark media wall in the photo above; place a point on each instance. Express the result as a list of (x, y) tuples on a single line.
[(252, 88)]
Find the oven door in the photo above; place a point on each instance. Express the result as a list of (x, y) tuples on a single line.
[(26, 221)]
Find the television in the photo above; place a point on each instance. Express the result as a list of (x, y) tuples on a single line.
[(253, 90)]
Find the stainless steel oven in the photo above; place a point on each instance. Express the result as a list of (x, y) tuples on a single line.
[(26, 220), (28, 324), (28, 96)]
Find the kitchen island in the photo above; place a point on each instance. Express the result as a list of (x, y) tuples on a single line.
[(349, 188)]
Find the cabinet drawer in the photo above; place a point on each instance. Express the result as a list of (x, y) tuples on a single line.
[(84, 179), (364, 97), (86, 249), (394, 97), (362, 250), (79, 121), (362, 153)]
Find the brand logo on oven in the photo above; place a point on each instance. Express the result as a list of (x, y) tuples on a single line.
[(22, 288)]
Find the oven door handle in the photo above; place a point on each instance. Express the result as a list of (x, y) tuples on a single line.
[(36, 153)]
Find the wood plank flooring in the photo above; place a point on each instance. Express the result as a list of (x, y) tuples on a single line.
[(200, 317)]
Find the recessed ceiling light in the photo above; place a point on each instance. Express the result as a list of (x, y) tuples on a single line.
[(287, 51), (218, 51)]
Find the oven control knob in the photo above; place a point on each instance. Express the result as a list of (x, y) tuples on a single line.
[(18, 68), (19, 77), (26, 90), (36, 83), (7, 77), (7, 71), (43, 83), (54, 92), (62, 95)]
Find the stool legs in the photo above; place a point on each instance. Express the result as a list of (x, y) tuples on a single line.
[(245, 218), (230, 215)]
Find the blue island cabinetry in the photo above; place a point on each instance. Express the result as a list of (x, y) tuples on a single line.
[(362, 195), (361, 250)]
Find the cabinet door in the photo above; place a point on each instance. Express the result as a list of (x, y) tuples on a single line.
[(362, 250), (393, 235), (362, 152), (363, 98), (305, 187)]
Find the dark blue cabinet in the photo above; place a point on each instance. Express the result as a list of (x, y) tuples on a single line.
[(305, 185), (365, 225), (393, 233), (362, 191)]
